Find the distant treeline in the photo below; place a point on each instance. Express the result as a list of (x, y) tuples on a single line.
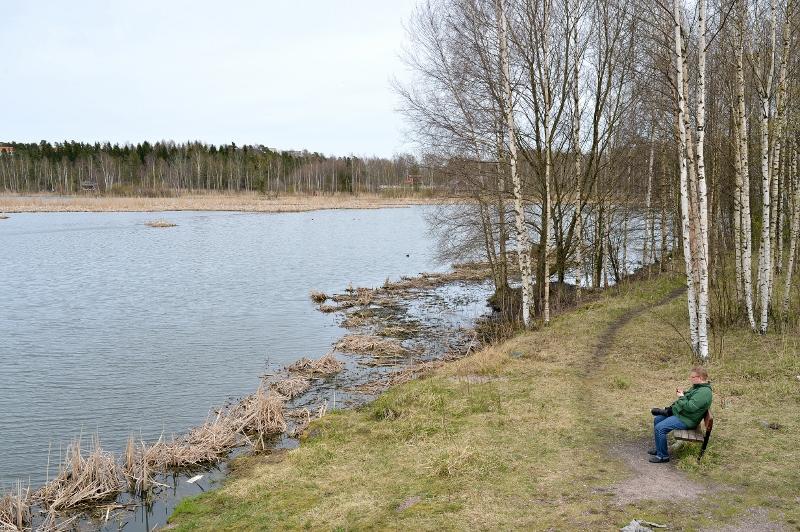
[(168, 168)]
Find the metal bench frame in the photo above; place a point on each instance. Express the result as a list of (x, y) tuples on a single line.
[(697, 434)]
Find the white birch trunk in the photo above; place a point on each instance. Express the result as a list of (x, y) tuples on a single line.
[(701, 247), (648, 215), (744, 191), (795, 234), (765, 251), (523, 242), (576, 138), (686, 215), (548, 165)]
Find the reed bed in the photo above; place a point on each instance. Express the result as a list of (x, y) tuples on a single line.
[(328, 308), (3, 217), (160, 222), (15, 508), (362, 344), (292, 387), (206, 202), (82, 480), (327, 365)]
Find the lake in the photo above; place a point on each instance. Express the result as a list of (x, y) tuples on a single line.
[(111, 327)]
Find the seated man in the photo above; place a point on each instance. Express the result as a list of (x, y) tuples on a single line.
[(685, 413)]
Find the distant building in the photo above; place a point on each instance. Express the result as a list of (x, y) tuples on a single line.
[(7, 149)]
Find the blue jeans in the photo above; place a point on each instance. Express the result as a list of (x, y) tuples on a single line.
[(661, 426)]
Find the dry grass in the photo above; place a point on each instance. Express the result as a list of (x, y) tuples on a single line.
[(259, 413), (15, 509), (515, 437), (3, 217), (82, 479), (318, 297), (160, 222), (374, 346), (292, 387), (90, 477), (327, 365), (207, 202)]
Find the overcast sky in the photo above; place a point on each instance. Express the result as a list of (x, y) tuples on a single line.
[(304, 74)]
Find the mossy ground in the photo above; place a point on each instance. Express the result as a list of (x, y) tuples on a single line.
[(517, 437)]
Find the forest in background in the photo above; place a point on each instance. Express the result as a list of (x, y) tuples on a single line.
[(167, 168)]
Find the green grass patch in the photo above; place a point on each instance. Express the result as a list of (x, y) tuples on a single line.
[(516, 437)]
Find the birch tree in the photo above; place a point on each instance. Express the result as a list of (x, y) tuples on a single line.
[(692, 180), (523, 244)]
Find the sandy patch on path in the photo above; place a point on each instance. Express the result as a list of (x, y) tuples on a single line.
[(665, 482), (651, 481)]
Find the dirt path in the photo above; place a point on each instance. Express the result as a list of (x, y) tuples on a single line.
[(658, 482)]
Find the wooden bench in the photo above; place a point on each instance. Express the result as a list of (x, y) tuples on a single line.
[(697, 434)]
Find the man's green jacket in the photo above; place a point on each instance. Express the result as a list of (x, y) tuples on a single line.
[(693, 405)]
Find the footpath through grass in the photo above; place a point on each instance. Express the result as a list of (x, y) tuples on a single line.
[(517, 437)]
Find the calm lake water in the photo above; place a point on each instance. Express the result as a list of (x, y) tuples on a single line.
[(111, 327)]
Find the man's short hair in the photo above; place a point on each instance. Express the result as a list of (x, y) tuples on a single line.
[(701, 372)]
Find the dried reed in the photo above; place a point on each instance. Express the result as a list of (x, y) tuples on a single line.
[(15, 509), (82, 479), (260, 413), (291, 388), (318, 297), (377, 347), (328, 308), (327, 365), (207, 443), (200, 202), (160, 222)]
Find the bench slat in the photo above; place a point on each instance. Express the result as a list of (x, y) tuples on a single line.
[(696, 434), (688, 435)]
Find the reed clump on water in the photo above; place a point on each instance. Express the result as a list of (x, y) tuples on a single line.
[(327, 365), (160, 222), (291, 387), (318, 297), (372, 345), (82, 479)]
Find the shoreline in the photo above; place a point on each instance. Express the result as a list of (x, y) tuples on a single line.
[(357, 388), (202, 202)]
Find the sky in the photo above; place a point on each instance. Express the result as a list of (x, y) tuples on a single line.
[(291, 75)]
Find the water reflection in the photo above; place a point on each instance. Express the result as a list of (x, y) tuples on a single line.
[(113, 327)]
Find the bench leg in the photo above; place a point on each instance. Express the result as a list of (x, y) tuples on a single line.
[(705, 444)]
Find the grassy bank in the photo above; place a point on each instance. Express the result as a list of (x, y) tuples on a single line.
[(536, 433), (206, 202)]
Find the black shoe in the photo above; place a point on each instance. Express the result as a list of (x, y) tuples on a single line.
[(653, 452), (658, 460)]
